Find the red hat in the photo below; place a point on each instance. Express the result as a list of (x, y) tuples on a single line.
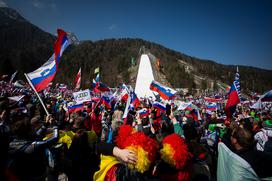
[(175, 152), (144, 147)]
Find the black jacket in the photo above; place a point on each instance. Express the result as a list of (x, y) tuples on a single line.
[(259, 161)]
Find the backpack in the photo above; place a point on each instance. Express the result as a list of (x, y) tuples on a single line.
[(26, 166), (14, 161), (268, 145), (267, 140)]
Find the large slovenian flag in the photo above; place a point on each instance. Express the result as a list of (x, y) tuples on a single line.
[(165, 92), (41, 77), (234, 96)]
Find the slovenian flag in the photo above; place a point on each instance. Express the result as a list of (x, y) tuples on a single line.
[(102, 87), (97, 78), (75, 108), (159, 106), (94, 83), (124, 92), (165, 92), (234, 96), (143, 113), (190, 107), (267, 97), (106, 101), (195, 114), (99, 87), (135, 102), (41, 77), (211, 107)]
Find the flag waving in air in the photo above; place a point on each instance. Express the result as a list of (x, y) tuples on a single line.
[(165, 92), (267, 97), (135, 102), (143, 113), (124, 92), (61, 44), (234, 96), (106, 101), (41, 77), (211, 107), (99, 86), (78, 79), (159, 105)]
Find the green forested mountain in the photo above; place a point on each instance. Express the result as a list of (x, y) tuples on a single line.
[(23, 46)]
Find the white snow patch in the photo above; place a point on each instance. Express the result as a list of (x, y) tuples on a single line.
[(144, 78)]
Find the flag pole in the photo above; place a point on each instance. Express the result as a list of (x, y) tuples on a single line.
[(31, 85)]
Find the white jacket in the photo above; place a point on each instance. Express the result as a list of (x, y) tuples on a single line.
[(261, 137)]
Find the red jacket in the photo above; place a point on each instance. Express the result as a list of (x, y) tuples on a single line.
[(94, 123)]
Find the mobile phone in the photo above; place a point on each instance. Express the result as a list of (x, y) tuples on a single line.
[(168, 109)]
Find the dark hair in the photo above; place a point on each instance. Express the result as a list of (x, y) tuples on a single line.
[(22, 128), (120, 107), (190, 132), (97, 111), (3, 106), (243, 136), (247, 124)]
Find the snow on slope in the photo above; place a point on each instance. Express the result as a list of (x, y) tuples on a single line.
[(144, 78)]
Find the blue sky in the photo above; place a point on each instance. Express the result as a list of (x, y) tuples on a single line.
[(235, 32)]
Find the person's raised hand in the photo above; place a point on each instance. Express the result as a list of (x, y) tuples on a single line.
[(48, 119), (138, 119), (172, 117), (152, 129)]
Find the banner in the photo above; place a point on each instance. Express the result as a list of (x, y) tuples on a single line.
[(82, 96)]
